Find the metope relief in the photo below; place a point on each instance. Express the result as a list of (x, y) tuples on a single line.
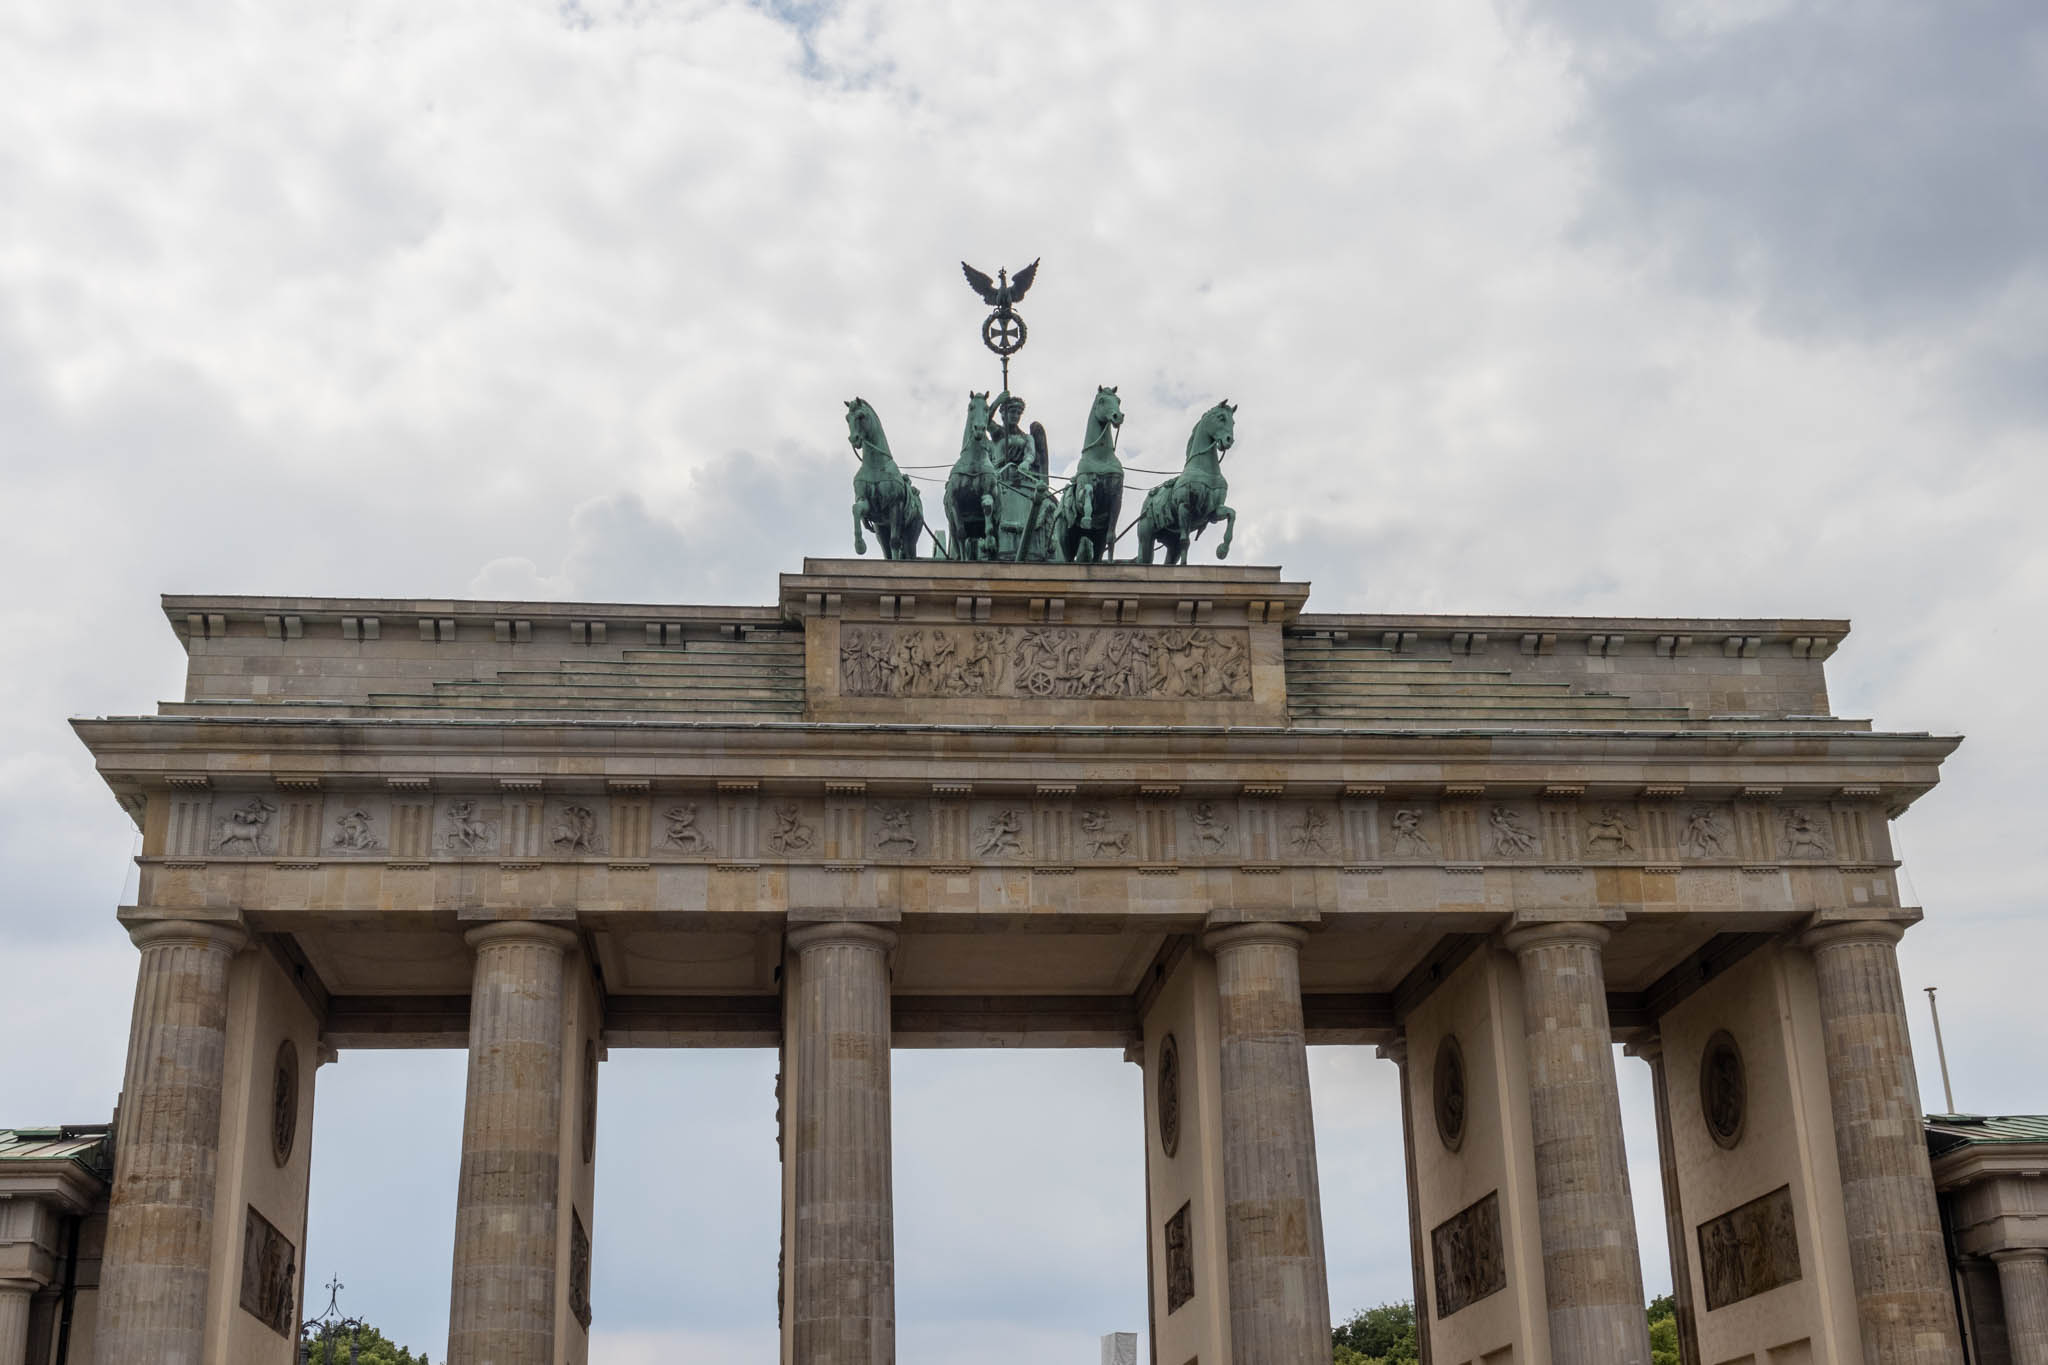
[(1100, 835), (1045, 662), (1470, 1258), (893, 829), (466, 828), (1507, 836), (246, 828), (573, 829), (789, 832), (1409, 839), (1312, 836), (355, 831), (1705, 835), (1804, 835), (1000, 834), (1610, 834), (684, 831), (1750, 1249), (1211, 830)]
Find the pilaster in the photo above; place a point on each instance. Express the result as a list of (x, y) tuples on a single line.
[(2023, 1284)]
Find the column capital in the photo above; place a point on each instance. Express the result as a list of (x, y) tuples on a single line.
[(841, 933), (1649, 1047), (2020, 1254), (154, 933), (1394, 1050), (1847, 933), (1529, 937), (519, 931), (1253, 935)]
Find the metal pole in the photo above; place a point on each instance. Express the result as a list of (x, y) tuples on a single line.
[(1947, 1092)]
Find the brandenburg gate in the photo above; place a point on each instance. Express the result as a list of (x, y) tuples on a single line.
[(1169, 810)]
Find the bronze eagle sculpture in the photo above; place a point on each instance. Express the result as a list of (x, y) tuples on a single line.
[(1003, 295)]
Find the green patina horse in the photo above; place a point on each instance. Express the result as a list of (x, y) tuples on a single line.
[(1178, 510), (971, 487), (884, 500), (1095, 498)]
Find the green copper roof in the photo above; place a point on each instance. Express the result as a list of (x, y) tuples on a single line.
[(86, 1144), (1950, 1132)]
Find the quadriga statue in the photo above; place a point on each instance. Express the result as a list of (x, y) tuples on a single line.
[(884, 499), (1177, 511)]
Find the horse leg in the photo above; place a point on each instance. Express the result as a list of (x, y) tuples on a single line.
[(1230, 515), (860, 511)]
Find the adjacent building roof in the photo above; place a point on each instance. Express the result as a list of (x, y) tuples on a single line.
[(1952, 1132), (86, 1145)]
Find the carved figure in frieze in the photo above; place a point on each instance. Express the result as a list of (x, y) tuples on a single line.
[(1201, 664), (791, 834), (1705, 834), (1806, 837), (1002, 832), (1511, 838), (1212, 831), (468, 831), (1123, 668), (575, 830), (1311, 834), (1049, 662), (1103, 841), (352, 830), (1611, 833), (683, 832), (867, 665), (1409, 840), (245, 829), (895, 834)]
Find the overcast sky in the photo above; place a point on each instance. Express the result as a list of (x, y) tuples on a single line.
[(1726, 307)]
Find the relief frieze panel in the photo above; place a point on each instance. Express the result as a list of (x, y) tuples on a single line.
[(1055, 826), (1749, 1250), (1045, 662)]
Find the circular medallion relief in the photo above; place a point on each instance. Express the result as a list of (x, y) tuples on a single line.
[(1724, 1089), (589, 1099), (284, 1102), (1169, 1095), (1448, 1088)]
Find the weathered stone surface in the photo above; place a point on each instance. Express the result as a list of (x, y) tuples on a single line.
[(502, 1297), (1273, 1222), (1592, 1276), (160, 1224), (2023, 1283), (842, 1307), (14, 1315), (1903, 1298)]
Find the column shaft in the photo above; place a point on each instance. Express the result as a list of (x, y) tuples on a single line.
[(152, 1301), (843, 1266), (501, 1308), (1674, 1210), (1896, 1255), (15, 1296), (2023, 1283), (1418, 1262), (1273, 1217), (1592, 1273)]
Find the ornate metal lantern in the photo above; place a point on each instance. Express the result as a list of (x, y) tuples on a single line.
[(329, 1331)]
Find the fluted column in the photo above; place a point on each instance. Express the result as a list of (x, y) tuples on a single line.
[(1272, 1203), (501, 1307), (2023, 1284), (1651, 1050), (1592, 1272), (1418, 1263), (1896, 1255), (152, 1301), (843, 1270), (14, 1306)]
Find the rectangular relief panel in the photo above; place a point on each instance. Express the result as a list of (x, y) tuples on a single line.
[(1180, 1260), (270, 1271), (1471, 1259), (1749, 1249), (1045, 663)]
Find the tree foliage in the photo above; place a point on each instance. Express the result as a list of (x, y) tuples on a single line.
[(372, 1348), (1377, 1336), (1386, 1335)]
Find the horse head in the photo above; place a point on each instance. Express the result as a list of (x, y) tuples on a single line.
[(864, 428), (1216, 431), (1106, 414), (974, 439)]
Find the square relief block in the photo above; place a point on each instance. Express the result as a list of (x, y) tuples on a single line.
[(355, 824)]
